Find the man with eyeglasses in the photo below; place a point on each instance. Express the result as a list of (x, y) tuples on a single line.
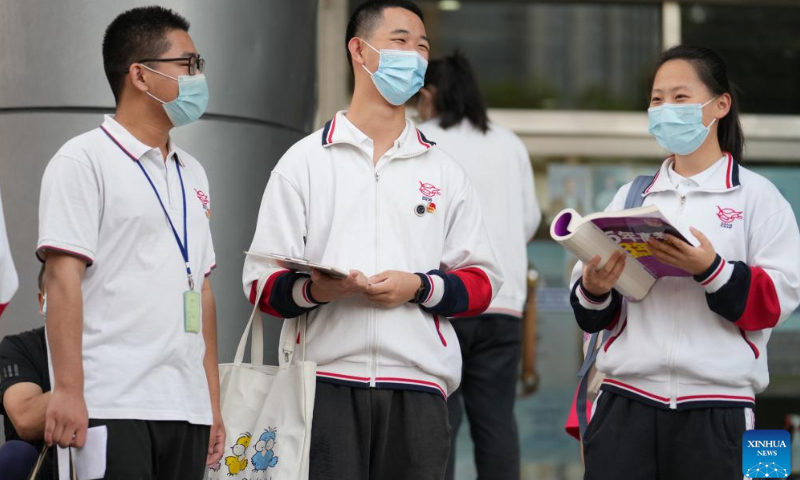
[(124, 227)]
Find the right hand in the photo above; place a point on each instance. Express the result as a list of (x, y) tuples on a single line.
[(67, 419), (600, 282), (325, 288)]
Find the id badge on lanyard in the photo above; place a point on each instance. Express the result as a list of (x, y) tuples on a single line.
[(191, 299)]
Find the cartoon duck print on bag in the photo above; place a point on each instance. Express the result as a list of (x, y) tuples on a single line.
[(264, 457), (238, 461)]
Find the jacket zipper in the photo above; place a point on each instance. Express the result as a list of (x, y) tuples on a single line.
[(374, 326), (673, 374)]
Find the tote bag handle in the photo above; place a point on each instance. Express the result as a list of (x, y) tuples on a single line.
[(256, 324)]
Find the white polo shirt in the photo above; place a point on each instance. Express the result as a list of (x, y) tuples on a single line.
[(139, 362), (8, 275)]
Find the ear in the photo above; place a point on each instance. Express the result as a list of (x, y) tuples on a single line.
[(137, 77), (426, 93), (723, 104), (41, 304), (356, 49)]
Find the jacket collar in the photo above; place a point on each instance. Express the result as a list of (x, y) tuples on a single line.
[(132, 145), (724, 178), (338, 130)]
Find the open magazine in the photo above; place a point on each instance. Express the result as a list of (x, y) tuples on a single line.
[(604, 233)]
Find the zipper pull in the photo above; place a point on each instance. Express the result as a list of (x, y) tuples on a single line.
[(377, 176)]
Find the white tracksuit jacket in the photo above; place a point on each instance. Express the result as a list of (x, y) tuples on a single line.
[(414, 211), (702, 342)]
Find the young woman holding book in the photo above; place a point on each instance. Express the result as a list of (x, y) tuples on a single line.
[(684, 364)]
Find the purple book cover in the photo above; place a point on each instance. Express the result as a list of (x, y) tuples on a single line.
[(632, 233)]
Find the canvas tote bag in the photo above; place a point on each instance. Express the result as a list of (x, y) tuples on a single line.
[(267, 410)]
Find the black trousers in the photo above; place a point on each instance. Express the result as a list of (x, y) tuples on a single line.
[(154, 450), (628, 440), (371, 434), (490, 348)]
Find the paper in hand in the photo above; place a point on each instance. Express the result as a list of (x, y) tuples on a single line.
[(90, 461)]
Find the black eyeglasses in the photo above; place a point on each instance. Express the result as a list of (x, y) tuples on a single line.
[(194, 63)]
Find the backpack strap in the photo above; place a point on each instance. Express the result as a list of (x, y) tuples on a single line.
[(583, 379), (634, 199), (635, 196)]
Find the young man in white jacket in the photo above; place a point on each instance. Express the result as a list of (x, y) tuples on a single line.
[(370, 192)]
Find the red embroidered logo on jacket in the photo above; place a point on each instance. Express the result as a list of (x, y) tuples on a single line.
[(728, 215), (204, 200), (429, 190)]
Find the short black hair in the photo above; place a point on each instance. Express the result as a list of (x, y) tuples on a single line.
[(367, 16), (134, 35), (41, 279), (457, 94)]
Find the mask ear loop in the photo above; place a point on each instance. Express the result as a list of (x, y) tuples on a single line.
[(703, 106), (163, 75), (376, 50)]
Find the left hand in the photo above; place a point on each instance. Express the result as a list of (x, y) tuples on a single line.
[(392, 288), (530, 382), (678, 253), (216, 441)]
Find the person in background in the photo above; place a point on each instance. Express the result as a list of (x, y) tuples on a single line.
[(124, 226), (371, 193), (683, 366), (24, 394), (499, 167), (8, 274)]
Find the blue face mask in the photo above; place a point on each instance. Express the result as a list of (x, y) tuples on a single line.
[(679, 127), (400, 74), (192, 98)]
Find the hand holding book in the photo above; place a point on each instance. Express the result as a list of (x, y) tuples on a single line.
[(599, 281), (633, 233), (677, 253)]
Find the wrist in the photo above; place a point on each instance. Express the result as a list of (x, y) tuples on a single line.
[(68, 390), (421, 288), (318, 295), (594, 295), (706, 267)]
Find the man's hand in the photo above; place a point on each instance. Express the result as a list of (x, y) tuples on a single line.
[(325, 288), (600, 282), (392, 288), (678, 253), (67, 419), (216, 440)]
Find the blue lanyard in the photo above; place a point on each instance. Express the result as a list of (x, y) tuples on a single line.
[(183, 246)]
